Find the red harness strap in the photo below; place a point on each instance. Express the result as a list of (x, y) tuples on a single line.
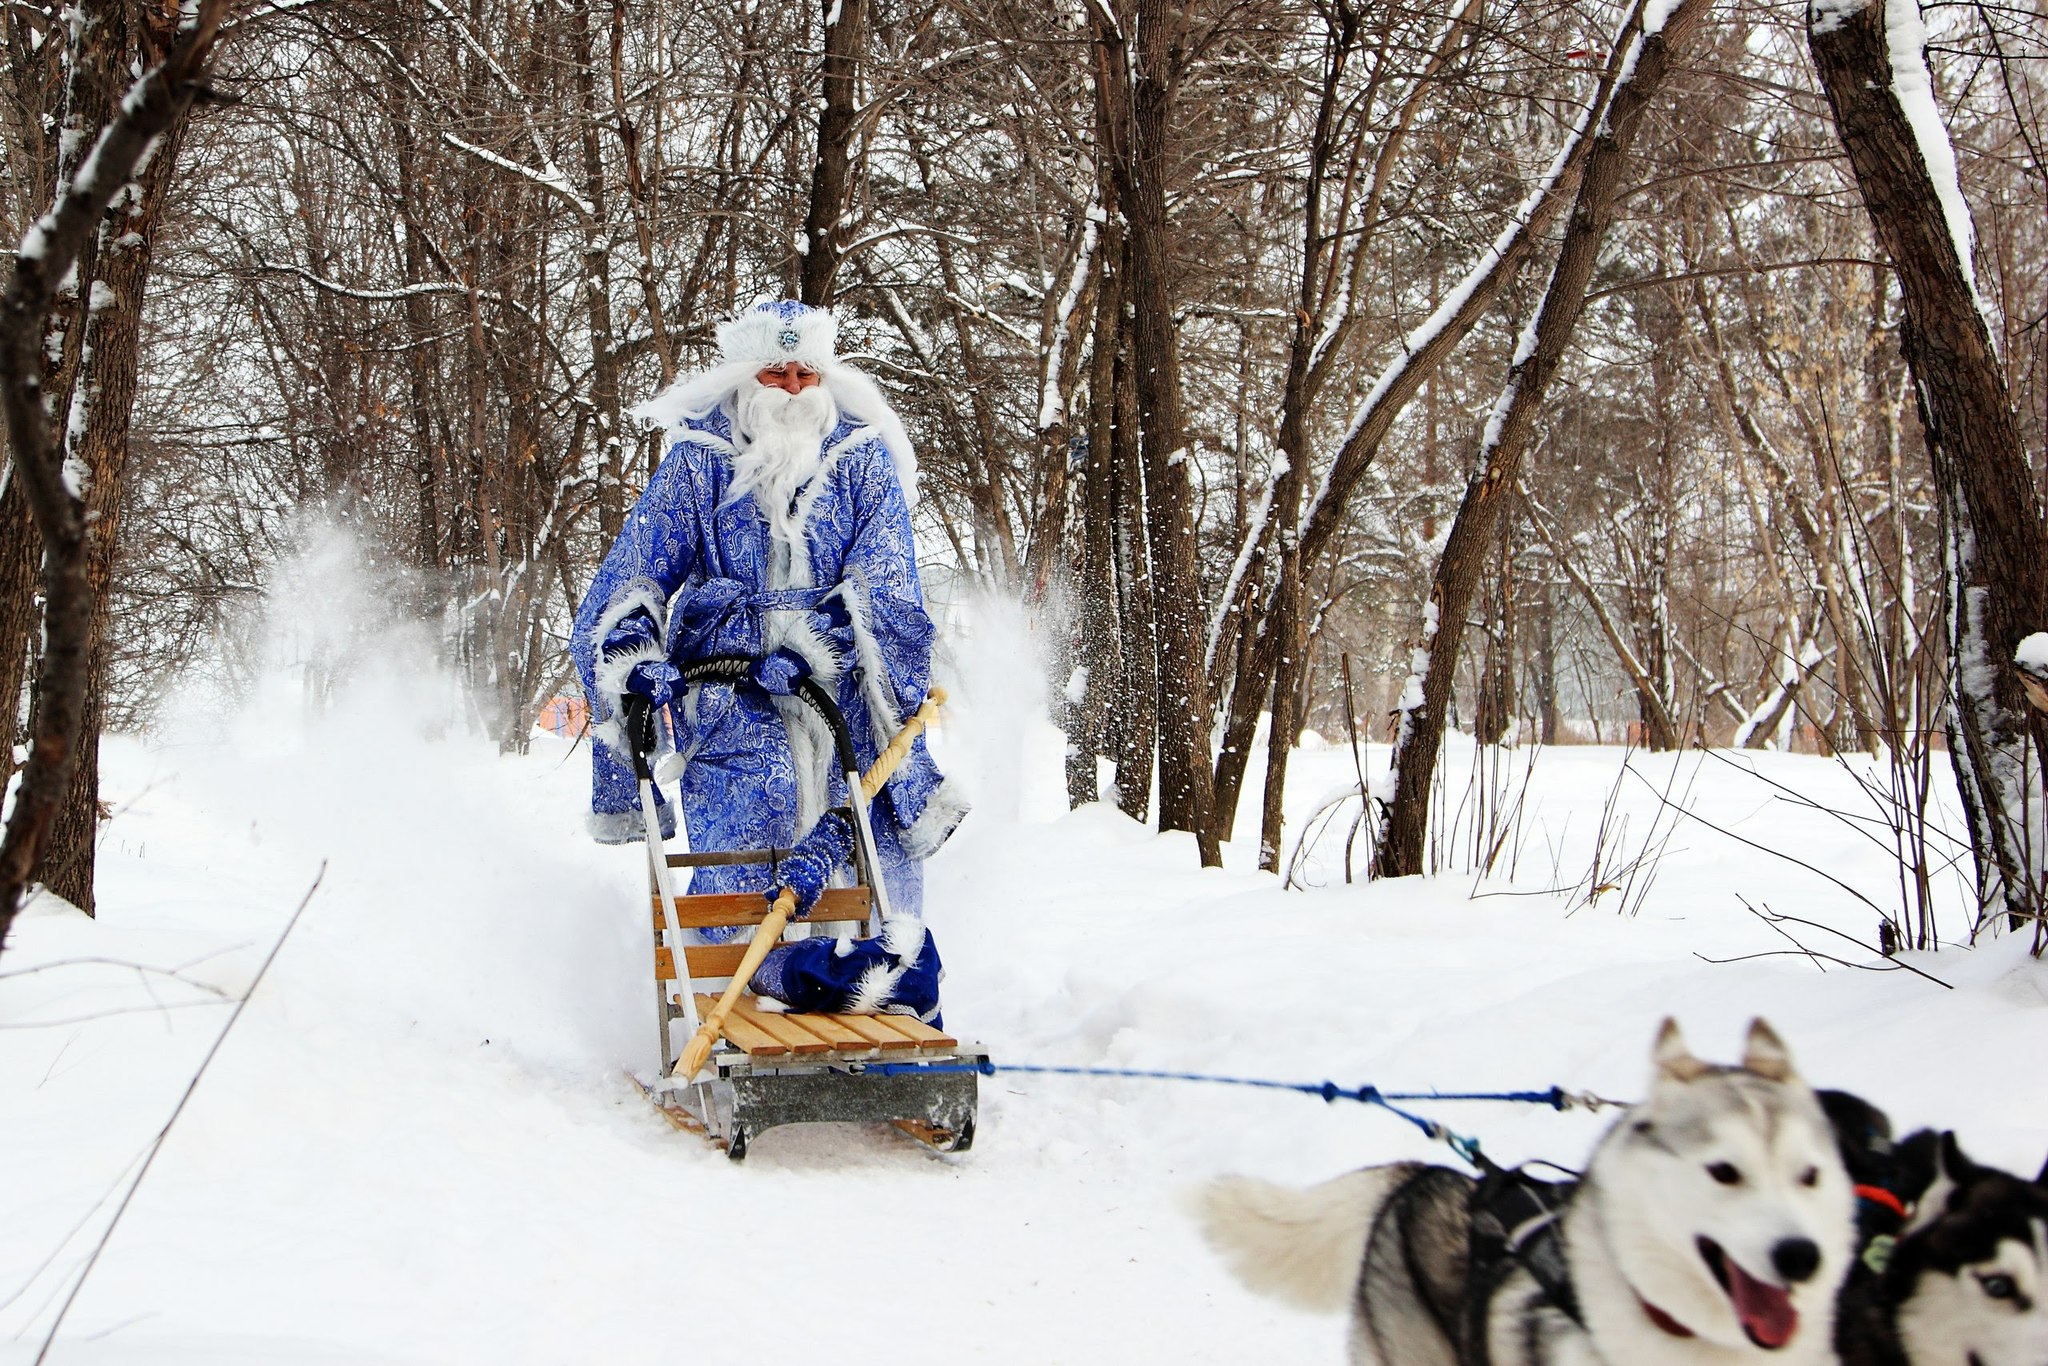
[(1878, 1195)]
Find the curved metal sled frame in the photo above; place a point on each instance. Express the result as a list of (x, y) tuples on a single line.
[(774, 1068)]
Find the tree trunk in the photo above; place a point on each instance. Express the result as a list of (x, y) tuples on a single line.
[(420, 366), (1290, 670), (1468, 547), (19, 547), (597, 286), (1140, 99), (846, 24), (1998, 552), (1134, 723), (155, 106), (1493, 706), (1096, 579), (1548, 727), (96, 438)]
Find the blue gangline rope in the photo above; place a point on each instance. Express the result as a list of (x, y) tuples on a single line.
[(1557, 1098)]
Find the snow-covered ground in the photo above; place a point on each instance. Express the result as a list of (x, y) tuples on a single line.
[(418, 1144)]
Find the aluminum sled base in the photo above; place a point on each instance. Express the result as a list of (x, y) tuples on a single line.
[(936, 1107)]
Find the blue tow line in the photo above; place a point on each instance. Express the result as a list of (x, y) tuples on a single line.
[(1557, 1098)]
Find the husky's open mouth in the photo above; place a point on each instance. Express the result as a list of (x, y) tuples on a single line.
[(1765, 1311)]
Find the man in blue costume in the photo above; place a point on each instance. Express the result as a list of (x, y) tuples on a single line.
[(777, 527)]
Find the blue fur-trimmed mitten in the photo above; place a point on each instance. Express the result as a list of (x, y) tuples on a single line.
[(815, 859), (778, 673)]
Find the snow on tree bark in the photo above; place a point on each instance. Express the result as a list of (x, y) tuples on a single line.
[(1138, 81), (1870, 63), (1654, 31), (156, 103)]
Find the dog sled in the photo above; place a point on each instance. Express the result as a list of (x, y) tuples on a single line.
[(747, 1067)]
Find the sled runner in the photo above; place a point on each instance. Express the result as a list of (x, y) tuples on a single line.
[(747, 1067)]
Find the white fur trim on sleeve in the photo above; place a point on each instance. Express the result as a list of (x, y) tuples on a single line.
[(608, 673), (877, 691), (635, 595), (797, 632), (610, 678), (943, 812), (624, 827)]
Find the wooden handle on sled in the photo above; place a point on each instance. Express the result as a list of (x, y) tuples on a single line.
[(769, 932)]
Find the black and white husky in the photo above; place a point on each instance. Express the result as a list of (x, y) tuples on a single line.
[(1713, 1227), (1965, 1283)]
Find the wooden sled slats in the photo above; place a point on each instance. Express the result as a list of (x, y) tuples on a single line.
[(727, 859), (876, 1034), (828, 1028), (769, 1034), (706, 960), (750, 908), (745, 1035), (917, 1031)]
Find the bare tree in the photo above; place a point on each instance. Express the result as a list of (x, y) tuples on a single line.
[(154, 106), (1874, 73), (1649, 53)]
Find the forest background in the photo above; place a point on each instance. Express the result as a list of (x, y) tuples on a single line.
[(1211, 322)]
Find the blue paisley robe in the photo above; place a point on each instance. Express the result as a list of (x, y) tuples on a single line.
[(694, 575)]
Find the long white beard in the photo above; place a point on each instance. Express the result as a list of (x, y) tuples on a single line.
[(784, 445)]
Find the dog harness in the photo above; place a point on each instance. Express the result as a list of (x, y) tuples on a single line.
[(1517, 1220)]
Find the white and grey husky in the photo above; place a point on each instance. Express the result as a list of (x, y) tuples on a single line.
[(1713, 1227)]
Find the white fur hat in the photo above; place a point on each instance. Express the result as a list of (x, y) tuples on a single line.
[(775, 332), (778, 331)]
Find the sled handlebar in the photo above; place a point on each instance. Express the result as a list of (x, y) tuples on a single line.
[(731, 669)]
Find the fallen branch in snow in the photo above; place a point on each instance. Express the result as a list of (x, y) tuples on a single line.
[(1777, 920), (156, 1145)]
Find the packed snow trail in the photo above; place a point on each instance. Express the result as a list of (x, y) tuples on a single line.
[(418, 1145)]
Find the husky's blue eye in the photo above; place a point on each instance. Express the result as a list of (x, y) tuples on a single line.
[(1725, 1173), (1999, 1287)]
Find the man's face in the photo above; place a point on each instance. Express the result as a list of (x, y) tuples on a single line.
[(792, 378)]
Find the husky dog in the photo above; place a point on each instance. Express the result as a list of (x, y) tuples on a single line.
[(1965, 1283), (1713, 1226)]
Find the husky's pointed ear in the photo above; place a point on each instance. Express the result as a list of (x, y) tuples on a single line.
[(1955, 1163), (1765, 1053), (2042, 1179), (1952, 1172), (1674, 1060)]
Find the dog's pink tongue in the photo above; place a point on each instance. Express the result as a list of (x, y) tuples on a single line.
[(1765, 1310)]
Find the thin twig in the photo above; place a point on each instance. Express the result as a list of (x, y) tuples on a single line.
[(1867, 948), (155, 1008), (173, 973), (1784, 933), (1891, 965), (157, 1145)]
